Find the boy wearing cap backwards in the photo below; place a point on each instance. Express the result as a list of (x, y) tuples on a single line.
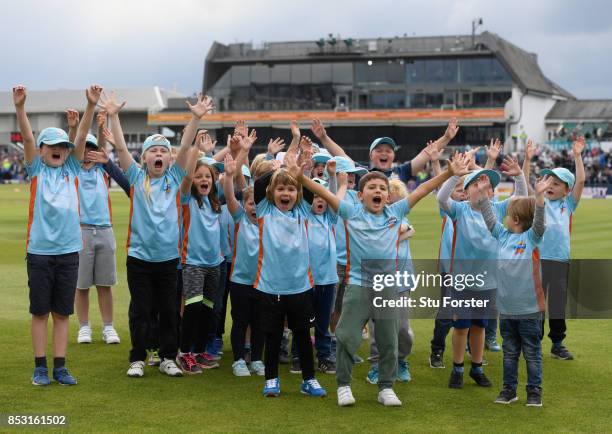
[(520, 297), (97, 262), (373, 232), (474, 252), (54, 234), (562, 198)]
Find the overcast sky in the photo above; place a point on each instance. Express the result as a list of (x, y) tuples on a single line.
[(119, 43)]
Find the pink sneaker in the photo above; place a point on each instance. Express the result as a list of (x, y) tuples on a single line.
[(205, 361)]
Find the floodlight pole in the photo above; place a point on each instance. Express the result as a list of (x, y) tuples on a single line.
[(475, 23)]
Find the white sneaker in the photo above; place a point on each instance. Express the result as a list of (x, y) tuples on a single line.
[(258, 368), (239, 368), (388, 398), (110, 336), (168, 367), (84, 336), (345, 396), (136, 369)]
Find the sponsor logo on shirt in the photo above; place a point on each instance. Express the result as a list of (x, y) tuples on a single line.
[(520, 248), (391, 222)]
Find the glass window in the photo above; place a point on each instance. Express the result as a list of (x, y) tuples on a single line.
[(300, 73), (451, 71), (483, 71), (321, 73), (224, 81), (377, 100), (434, 71), (415, 71), (260, 74), (481, 99), (500, 98), (416, 100), (395, 72), (342, 73), (433, 100), (280, 74), (396, 99), (241, 75)]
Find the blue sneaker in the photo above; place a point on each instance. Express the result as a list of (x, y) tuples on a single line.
[(41, 376), (272, 387), (211, 352), (63, 377), (312, 388), (493, 346), (372, 377), (403, 371)]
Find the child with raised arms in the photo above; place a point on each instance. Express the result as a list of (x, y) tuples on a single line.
[(153, 234), (373, 231), (520, 296), (53, 237)]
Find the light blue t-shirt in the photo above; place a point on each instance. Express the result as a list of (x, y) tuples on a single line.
[(519, 280), (475, 250), (201, 233), (556, 241), (284, 266), (246, 249), (340, 229), (154, 225), (94, 198), (405, 258), (54, 226), (322, 247), (373, 240), (446, 243), (227, 234)]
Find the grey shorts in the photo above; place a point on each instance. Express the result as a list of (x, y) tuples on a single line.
[(200, 284), (97, 261)]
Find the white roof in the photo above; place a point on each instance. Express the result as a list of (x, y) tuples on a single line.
[(53, 101)]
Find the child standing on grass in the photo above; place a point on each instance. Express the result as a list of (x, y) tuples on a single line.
[(153, 235), (283, 274), (373, 231), (562, 199), (520, 297), (201, 256), (54, 234), (246, 307)]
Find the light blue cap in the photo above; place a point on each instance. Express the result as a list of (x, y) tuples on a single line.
[(493, 176), (383, 141), (155, 140), (321, 157), (91, 140), (245, 171), (347, 165), (561, 173), (212, 162), (53, 136)]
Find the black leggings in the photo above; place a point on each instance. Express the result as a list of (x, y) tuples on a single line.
[(245, 313)]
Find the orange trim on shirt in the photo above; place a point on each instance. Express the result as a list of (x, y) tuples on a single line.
[(310, 278), (236, 230), (186, 225), (452, 261), (260, 223), (348, 253), (441, 238), (110, 208), (33, 189), (537, 281), (570, 223), (76, 189), (178, 221), (129, 234)]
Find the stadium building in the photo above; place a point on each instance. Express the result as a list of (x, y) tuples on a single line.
[(403, 87)]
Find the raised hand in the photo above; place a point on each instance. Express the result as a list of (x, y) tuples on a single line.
[(483, 188), (342, 179), (451, 129), (530, 150), (19, 96), (292, 164), (241, 128), (235, 142), (204, 142), (109, 104), (203, 106), (318, 129), (97, 156), (493, 149), (295, 130), (510, 166), (542, 185), (108, 136), (230, 166), (93, 93), (305, 143), (72, 117), (275, 146), (276, 165), (578, 147), (458, 165), (432, 151), (249, 140), (331, 168), (101, 119)]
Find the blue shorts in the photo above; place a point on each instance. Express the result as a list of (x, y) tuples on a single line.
[(469, 312)]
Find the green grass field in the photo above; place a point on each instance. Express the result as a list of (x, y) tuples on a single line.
[(576, 394)]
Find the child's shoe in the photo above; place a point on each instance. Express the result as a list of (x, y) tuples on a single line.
[(403, 371), (436, 359), (272, 387), (372, 377), (168, 367), (239, 368), (313, 388), (63, 377), (534, 396), (506, 396), (388, 398), (154, 359), (345, 396), (258, 368), (560, 352), (110, 336), (187, 363), (41, 376), (136, 369), (205, 361), (84, 336)]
